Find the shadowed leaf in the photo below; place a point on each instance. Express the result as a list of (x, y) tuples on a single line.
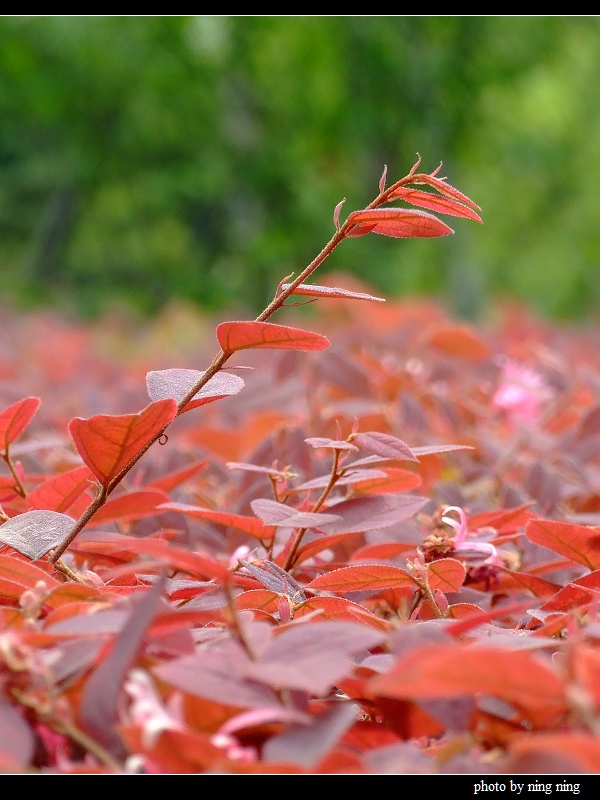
[(60, 492)]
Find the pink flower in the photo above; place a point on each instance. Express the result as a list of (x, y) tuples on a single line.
[(477, 553), (148, 710), (522, 392)]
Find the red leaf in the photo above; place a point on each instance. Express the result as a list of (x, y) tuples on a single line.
[(458, 340), (135, 505), (338, 608), (400, 223), (198, 565), (250, 525), (433, 202), (174, 479), (576, 542), (108, 443), (445, 188), (446, 574), (234, 336), (25, 573), (363, 577), (176, 383), (60, 492), (381, 551), (444, 671), (15, 418), (395, 482), (314, 290)]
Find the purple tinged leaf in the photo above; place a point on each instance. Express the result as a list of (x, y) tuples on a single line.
[(307, 745), (336, 215), (34, 533), (382, 179), (275, 578), (218, 674), (351, 477), (315, 290), (313, 657), (333, 444), (280, 515), (17, 742), (98, 708), (385, 445), (432, 449), (374, 512)]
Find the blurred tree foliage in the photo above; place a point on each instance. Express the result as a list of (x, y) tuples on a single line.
[(145, 158)]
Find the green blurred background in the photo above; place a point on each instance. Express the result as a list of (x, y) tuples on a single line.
[(144, 159)]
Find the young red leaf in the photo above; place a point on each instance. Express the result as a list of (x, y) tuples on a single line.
[(174, 479), (381, 551), (249, 525), (576, 542), (234, 336), (314, 290), (25, 573), (445, 671), (108, 443), (444, 188), (34, 533), (393, 481), (446, 574), (362, 577), (443, 205), (15, 418), (400, 223), (60, 492), (339, 609), (458, 340), (134, 505), (176, 383)]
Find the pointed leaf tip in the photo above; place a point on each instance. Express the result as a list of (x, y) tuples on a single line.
[(107, 443)]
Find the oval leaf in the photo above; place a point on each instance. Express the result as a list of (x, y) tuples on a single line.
[(576, 542), (363, 577), (458, 340), (61, 491), (384, 445), (446, 574), (34, 533), (176, 383), (234, 336), (15, 418), (401, 223), (108, 443)]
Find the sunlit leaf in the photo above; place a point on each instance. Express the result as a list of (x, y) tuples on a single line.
[(250, 525), (108, 443), (443, 205), (15, 418), (576, 542), (362, 577), (60, 492), (446, 574), (234, 336), (400, 223)]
